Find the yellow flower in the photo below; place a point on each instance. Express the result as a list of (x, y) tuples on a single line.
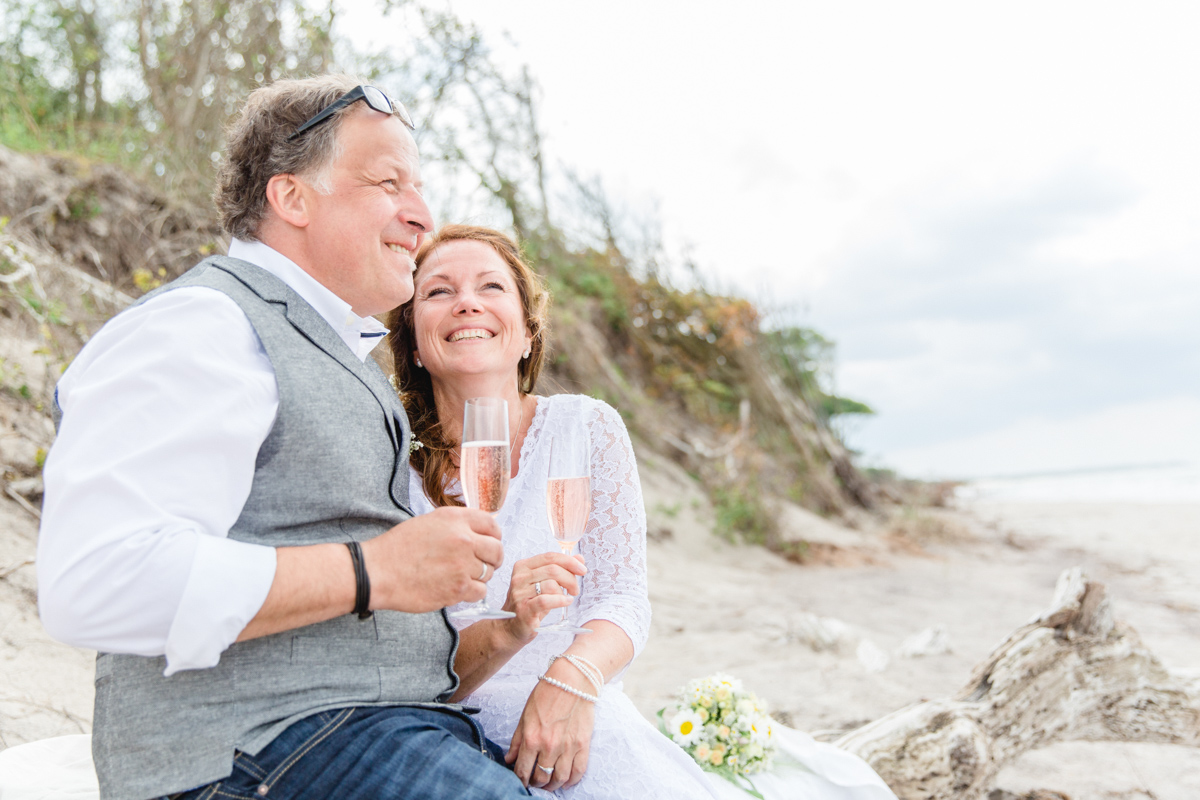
[(703, 712), (702, 751), (716, 758), (723, 693), (724, 731), (705, 700)]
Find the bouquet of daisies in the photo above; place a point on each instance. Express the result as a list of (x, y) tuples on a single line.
[(722, 726)]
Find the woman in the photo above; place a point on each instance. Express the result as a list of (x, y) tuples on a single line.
[(476, 327)]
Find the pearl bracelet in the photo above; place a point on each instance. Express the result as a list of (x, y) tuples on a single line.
[(591, 698), (589, 670)]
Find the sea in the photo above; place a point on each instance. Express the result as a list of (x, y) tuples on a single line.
[(1173, 483)]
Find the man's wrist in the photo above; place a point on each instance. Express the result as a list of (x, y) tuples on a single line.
[(362, 583)]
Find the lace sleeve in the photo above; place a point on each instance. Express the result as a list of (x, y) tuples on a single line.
[(614, 543)]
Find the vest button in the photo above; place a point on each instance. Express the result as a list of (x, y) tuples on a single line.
[(263, 789)]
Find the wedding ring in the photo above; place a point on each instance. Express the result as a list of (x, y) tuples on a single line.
[(548, 770), (483, 575), (537, 587)]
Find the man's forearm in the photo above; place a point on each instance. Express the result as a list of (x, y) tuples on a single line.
[(312, 584), (422, 565)]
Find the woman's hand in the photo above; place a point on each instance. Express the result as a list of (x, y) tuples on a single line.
[(550, 572), (555, 731), (486, 646)]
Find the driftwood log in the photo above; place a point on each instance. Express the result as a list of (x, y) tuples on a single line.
[(1073, 673)]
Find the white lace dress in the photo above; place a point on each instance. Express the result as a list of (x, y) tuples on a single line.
[(629, 758)]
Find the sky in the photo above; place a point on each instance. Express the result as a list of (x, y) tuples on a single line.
[(992, 208)]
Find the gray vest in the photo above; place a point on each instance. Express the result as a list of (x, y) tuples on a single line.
[(332, 469)]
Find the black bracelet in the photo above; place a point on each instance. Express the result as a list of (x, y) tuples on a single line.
[(362, 583)]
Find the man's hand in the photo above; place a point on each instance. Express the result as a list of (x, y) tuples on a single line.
[(429, 562), (433, 560)]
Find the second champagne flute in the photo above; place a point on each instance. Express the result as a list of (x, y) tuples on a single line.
[(569, 502), (485, 463)]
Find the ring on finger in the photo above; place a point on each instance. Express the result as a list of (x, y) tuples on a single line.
[(483, 575), (537, 587), (548, 770)]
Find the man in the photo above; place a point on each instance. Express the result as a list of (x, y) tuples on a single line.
[(229, 484)]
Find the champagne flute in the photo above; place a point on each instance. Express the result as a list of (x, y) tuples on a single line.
[(568, 502), (485, 463)]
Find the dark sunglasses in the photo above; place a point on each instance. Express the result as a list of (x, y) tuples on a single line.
[(373, 97)]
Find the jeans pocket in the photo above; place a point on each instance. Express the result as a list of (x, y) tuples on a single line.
[(247, 765), (221, 790), (331, 724)]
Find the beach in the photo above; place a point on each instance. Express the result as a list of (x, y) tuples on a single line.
[(823, 643), (988, 569)]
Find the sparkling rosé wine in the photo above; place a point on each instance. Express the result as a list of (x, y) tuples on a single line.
[(568, 503), (484, 472)]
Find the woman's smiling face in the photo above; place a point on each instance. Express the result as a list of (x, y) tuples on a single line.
[(468, 317)]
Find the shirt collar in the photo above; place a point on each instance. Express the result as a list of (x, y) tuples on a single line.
[(361, 334)]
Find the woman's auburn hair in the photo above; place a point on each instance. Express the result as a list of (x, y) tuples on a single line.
[(434, 460)]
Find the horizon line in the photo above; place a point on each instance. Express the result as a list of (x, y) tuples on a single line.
[(1062, 473)]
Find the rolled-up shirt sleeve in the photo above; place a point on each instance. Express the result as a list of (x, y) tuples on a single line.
[(164, 412)]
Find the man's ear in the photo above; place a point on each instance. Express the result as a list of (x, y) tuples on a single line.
[(286, 196)]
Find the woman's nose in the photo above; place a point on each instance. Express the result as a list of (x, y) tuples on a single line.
[(468, 303)]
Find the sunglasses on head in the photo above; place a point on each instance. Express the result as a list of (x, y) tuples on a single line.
[(373, 97)]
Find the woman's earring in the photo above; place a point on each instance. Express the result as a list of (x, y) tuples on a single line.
[(526, 353), (419, 364)]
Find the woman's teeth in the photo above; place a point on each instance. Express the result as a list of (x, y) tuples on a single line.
[(472, 334)]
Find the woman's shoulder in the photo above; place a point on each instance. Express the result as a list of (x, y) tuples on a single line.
[(582, 406)]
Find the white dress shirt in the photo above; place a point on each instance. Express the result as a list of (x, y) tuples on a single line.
[(164, 412)]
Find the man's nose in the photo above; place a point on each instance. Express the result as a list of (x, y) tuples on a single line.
[(416, 215)]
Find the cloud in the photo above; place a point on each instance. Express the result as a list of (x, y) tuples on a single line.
[(760, 169), (961, 316), (955, 258)]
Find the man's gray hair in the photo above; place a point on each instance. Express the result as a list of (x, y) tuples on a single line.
[(257, 148)]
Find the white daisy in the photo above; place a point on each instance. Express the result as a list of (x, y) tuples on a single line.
[(686, 728)]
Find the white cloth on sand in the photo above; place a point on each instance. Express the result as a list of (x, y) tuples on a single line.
[(49, 769), (805, 769)]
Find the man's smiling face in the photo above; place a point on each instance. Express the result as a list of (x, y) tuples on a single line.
[(362, 235)]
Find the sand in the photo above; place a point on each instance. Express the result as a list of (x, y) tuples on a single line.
[(45, 686), (821, 643), (747, 612)]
